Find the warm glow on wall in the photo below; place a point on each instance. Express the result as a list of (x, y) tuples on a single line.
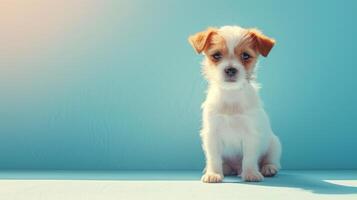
[(30, 27)]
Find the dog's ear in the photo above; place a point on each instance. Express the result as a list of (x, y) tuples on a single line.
[(200, 40), (263, 43)]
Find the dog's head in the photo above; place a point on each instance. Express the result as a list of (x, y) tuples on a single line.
[(230, 53)]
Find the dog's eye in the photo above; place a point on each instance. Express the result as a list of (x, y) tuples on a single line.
[(217, 56), (245, 56)]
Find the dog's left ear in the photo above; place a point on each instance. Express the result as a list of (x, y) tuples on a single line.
[(263, 43), (200, 40)]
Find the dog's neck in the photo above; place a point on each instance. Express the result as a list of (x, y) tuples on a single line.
[(233, 101)]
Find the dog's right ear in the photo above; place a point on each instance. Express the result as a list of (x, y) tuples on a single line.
[(200, 40)]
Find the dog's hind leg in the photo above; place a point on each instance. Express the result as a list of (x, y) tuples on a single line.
[(270, 163), (228, 170)]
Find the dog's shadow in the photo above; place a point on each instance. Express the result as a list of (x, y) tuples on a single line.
[(321, 184)]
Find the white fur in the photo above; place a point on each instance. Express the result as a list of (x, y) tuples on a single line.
[(236, 134)]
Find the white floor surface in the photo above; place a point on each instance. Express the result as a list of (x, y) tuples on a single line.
[(127, 185)]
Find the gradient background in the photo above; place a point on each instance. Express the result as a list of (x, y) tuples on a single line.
[(115, 84)]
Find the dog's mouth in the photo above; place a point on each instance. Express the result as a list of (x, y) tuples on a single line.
[(230, 79)]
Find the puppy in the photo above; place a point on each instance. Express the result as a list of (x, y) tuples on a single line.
[(236, 134)]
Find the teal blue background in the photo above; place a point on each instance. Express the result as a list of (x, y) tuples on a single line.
[(117, 86)]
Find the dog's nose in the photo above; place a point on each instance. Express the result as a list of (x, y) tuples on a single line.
[(231, 71)]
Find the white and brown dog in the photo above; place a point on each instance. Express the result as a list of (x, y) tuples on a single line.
[(236, 133)]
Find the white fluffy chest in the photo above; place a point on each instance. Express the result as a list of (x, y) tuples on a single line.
[(234, 117), (232, 130)]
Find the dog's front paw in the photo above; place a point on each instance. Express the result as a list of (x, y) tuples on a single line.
[(252, 176), (212, 178), (269, 170)]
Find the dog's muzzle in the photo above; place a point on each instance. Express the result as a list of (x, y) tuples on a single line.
[(231, 74)]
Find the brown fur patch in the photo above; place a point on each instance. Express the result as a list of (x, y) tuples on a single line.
[(253, 43), (263, 43), (216, 44), (247, 45), (200, 40)]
